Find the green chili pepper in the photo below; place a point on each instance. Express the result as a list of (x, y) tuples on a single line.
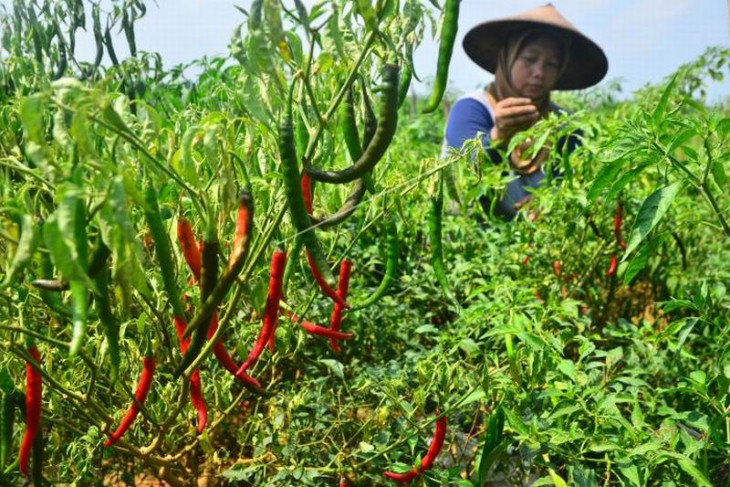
[(208, 281), (301, 134), (449, 28), (296, 250), (381, 141), (295, 198), (104, 310), (163, 250), (348, 207), (405, 85), (391, 267), (434, 233), (79, 288), (7, 419), (349, 126), (27, 244)]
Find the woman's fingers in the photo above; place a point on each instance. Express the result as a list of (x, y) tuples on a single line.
[(516, 120), (514, 111), (513, 101)]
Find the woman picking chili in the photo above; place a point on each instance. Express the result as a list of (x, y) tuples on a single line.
[(530, 55)]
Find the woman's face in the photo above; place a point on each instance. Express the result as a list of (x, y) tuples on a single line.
[(536, 68)]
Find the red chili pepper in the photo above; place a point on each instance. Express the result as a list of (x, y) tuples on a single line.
[(244, 222), (557, 265), (323, 284), (307, 192), (140, 395), (271, 310), (224, 358), (33, 400), (190, 249), (402, 477), (618, 217), (342, 287), (525, 260), (427, 461), (193, 257), (322, 331), (438, 441), (196, 387), (612, 266)]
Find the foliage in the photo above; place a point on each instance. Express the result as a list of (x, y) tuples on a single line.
[(576, 379)]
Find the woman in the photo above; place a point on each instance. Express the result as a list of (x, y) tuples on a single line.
[(530, 54)]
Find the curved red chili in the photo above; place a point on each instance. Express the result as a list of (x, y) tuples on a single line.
[(140, 395), (322, 331), (190, 249), (557, 268), (343, 284), (196, 387), (271, 310), (244, 224), (612, 266), (33, 400), (427, 461)]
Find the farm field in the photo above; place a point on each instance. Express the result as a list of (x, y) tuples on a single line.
[(269, 275)]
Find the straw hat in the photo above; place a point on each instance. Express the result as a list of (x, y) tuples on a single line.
[(587, 63)]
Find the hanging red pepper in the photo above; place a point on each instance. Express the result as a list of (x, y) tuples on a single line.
[(313, 329), (343, 284), (190, 249), (244, 224), (612, 266), (307, 192), (224, 358), (140, 395), (618, 218), (196, 387), (271, 310), (557, 267), (33, 400), (427, 461)]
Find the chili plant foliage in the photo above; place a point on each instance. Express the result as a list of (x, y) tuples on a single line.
[(582, 377)]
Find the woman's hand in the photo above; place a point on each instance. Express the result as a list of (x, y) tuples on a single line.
[(511, 115)]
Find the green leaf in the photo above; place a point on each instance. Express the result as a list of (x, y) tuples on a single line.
[(681, 138), (650, 213), (641, 259), (718, 174), (661, 107), (557, 479), (335, 366)]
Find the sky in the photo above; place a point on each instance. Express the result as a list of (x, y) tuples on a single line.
[(644, 40)]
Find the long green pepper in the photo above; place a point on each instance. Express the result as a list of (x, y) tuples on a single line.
[(449, 28), (163, 250), (104, 310), (381, 141), (208, 281), (295, 198), (7, 419), (79, 288), (391, 267), (434, 233)]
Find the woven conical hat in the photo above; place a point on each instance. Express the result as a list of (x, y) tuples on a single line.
[(587, 63)]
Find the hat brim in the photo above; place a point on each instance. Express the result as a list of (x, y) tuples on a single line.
[(587, 63)]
